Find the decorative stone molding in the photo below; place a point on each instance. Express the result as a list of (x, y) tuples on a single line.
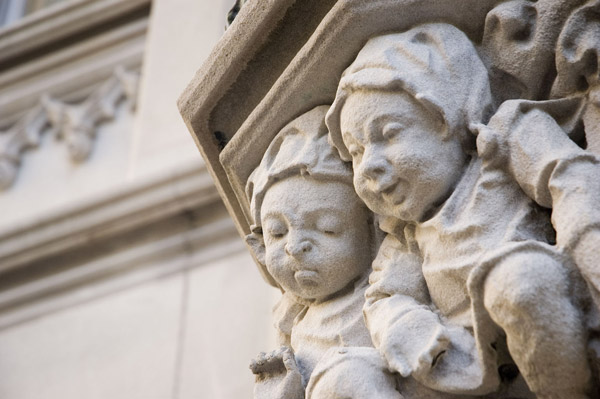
[(24, 134), (116, 217), (75, 124), (129, 208), (59, 21)]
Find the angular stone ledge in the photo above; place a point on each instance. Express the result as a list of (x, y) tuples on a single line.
[(59, 22)]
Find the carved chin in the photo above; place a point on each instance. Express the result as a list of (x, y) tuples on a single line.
[(392, 206)]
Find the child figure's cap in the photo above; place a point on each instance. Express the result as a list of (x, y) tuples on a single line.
[(434, 63), (300, 148)]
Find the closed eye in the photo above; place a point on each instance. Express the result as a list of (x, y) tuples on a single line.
[(391, 130), (353, 146), (329, 225), (275, 228)]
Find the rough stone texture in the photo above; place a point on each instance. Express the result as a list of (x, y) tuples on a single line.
[(471, 131)]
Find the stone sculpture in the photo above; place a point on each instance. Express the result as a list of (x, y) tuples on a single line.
[(402, 116), (468, 279), (315, 237), (472, 135)]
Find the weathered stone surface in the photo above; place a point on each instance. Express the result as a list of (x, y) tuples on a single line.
[(469, 130)]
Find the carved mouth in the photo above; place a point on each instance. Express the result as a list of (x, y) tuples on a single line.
[(306, 277), (391, 195), (388, 189)]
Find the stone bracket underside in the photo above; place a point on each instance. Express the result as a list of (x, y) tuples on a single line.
[(74, 124)]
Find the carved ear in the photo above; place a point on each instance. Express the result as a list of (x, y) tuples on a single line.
[(256, 243)]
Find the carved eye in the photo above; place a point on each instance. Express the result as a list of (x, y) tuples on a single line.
[(329, 225), (391, 130), (276, 229), (278, 234)]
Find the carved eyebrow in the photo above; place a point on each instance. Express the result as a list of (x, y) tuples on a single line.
[(274, 215), (335, 212)]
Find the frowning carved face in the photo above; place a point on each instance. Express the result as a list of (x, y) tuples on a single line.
[(405, 164), (316, 235)]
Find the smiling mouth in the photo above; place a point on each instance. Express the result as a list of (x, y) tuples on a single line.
[(387, 189), (390, 195)]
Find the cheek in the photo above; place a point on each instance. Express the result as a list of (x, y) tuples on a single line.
[(275, 259), (371, 200), (403, 160), (361, 186), (358, 181), (351, 248)]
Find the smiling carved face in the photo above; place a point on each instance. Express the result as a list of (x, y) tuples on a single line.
[(404, 163), (316, 234)]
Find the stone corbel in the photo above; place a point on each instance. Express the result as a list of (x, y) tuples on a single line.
[(76, 124)]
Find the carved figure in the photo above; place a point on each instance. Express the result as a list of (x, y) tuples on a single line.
[(468, 263), (315, 237)]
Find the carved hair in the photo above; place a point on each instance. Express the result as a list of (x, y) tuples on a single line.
[(300, 148), (436, 64)]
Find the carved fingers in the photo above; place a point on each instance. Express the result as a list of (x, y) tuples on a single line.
[(272, 363), (279, 363), (277, 375), (288, 359), (414, 344), (435, 349)]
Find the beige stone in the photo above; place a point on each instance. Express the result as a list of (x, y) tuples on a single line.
[(471, 129), (96, 349)]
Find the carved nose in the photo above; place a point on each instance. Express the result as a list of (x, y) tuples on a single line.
[(513, 20), (295, 248), (374, 168)]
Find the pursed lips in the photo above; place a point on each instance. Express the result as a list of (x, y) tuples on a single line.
[(306, 277), (302, 272)]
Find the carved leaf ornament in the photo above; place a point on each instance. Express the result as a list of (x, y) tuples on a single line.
[(73, 124)]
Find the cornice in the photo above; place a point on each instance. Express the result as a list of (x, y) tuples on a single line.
[(136, 265), (59, 22), (121, 45), (133, 206)]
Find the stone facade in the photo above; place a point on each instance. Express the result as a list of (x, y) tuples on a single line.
[(120, 270)]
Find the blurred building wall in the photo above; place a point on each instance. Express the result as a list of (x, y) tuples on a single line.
[(121, 273)]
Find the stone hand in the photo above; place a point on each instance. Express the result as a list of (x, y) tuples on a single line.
[(277, 375), (440, 357), (457, 369), (414, 347)]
